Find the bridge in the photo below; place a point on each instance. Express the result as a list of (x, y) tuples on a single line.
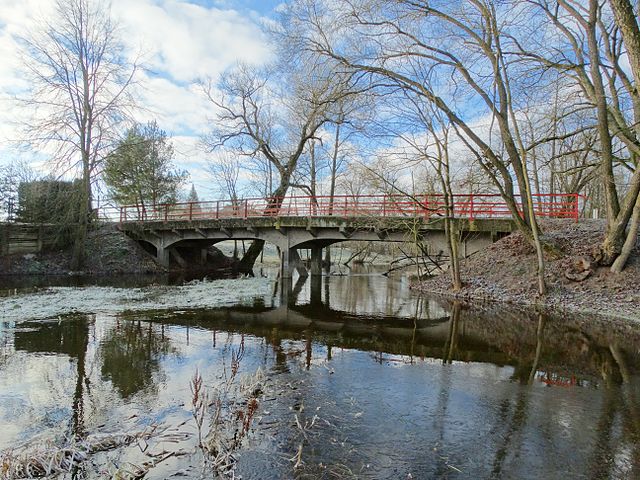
[(294, 223)]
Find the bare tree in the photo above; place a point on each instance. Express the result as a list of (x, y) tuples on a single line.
[(11, 176), (272, 116), (80, 79), (435, 148), (587, 44), (400, 45), (224, 171), (627, 20)]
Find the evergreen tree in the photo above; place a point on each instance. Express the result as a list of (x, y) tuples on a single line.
[(193, 195), (140, 170)]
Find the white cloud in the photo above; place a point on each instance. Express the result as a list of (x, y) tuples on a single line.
[(181, 42), (188, 41)]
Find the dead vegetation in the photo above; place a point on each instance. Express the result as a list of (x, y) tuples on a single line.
[(46, 458), (224, 413)]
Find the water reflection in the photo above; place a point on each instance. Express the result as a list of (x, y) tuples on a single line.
[(131, 354), (401, 384), (70, 338)]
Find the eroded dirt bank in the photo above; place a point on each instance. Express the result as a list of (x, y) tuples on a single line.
[(108, 252), (506, 273)]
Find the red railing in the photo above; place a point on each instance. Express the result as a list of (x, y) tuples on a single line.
[(470, 206)]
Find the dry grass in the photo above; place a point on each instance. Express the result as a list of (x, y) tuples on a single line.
[(226, 410), (44, 458)]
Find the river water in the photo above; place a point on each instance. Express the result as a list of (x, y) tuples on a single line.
[(357, 377)]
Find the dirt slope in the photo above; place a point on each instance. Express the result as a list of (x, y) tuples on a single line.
[(506, 272), (108, 252)]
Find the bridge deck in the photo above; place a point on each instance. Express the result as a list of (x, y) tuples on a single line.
[(469, 206)]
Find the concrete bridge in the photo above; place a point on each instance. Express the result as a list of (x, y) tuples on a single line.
[(314, 223)]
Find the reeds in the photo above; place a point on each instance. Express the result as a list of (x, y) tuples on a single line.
[(228, 409)]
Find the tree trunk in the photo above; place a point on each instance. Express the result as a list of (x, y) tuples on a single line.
[(334, 167), (630, 242), (313, 175), (627, 21), (613, 241), (617, 227), (274, 204), (250, 257), (81, 223)]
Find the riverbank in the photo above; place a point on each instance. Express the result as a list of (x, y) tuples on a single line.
[(506, 273), (108, 252)]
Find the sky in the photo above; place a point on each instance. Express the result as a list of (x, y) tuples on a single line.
[(182, 41)]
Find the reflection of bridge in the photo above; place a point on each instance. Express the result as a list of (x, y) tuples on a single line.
[(314, 223), (318, 310)]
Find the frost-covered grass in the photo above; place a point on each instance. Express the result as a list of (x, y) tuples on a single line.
[(62, 300)]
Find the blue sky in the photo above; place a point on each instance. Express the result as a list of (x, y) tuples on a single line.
[(183, 40)]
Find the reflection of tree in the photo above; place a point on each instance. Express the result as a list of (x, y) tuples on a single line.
[(452, 339), (515, 423), (131, 356), (70, 337)]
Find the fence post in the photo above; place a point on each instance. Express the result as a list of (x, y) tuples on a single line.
[(246, 208), (166, 212), (190, 211)]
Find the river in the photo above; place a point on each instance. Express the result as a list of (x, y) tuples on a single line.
[(350, 376)]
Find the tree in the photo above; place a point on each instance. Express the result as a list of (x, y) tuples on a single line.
[(51, 201), (11, 177), (193, 195), (271, 115), (48, 201), (399, 46), (140, 170), (224, 171), (588, 44), (627, 21), (80, 81)]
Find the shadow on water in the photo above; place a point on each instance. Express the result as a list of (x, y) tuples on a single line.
[(405, 384)]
